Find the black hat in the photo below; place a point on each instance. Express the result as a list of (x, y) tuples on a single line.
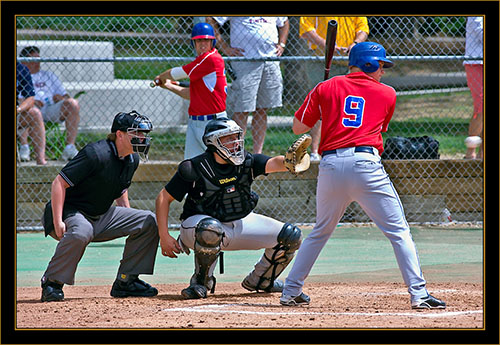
[(133, 120)]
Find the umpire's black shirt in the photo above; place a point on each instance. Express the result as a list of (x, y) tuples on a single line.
[(97, 176)]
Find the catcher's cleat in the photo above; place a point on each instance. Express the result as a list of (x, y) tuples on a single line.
[(292, 301), (429, 302), (277, 286), (195, 291), (52, 292), (132, 288)]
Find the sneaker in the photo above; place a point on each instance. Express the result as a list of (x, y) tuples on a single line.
[(24, 153), (429, 302), (291, 301), (69, 152), (52, 291), (315, 157), (277, 286), (134, 288)]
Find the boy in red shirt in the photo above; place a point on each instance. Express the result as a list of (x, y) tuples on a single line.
[(207, 89), (355, 109)]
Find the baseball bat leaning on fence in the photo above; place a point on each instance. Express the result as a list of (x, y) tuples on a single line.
[(331, 39)]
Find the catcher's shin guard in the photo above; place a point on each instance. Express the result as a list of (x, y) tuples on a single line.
[(289, 240), (208, 238)]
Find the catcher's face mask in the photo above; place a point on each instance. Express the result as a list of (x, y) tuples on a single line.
[(230, 147), (225, 137)]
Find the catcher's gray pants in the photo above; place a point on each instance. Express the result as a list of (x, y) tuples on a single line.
[(140, 247), (348, 176), (253, 232)]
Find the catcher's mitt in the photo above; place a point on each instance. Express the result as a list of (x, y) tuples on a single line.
[(297, 159)]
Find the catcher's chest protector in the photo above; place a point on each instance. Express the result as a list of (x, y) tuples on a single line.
[(222, 196)]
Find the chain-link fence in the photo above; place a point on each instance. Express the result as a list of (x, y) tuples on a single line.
[(105, 65)]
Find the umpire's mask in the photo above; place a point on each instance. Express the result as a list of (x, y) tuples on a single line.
[(137, 127)]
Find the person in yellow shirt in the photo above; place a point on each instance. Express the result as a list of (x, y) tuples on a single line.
[(350, 31)]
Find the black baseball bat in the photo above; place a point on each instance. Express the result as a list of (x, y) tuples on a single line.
[(331, 38)]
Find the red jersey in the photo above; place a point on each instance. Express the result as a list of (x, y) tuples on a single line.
[(355, 109), (207, 84)]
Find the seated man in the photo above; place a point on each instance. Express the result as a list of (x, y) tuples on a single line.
[(29, 120), (53, 102)]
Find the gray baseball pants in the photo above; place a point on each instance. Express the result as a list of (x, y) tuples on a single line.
[(140, 249), (345, 177)]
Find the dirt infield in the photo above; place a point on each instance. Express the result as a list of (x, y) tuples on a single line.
[(333, 306)]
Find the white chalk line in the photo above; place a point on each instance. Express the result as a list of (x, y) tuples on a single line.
[(390, 293), (225, 308)]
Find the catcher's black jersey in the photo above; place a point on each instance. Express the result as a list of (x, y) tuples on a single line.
[(219, 190)]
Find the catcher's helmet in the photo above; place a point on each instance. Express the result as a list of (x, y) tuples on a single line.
[(132, 123), (203, 31), (232, 151), (366, 56)]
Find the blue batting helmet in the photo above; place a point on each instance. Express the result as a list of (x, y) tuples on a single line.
[(203, 31), (366, 56)]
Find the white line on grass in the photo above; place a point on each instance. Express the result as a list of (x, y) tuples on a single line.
[(225, 308)]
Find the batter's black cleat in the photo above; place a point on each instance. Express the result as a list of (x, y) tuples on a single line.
[(292, 301), (52, 292), (429, 302), (132, 288)]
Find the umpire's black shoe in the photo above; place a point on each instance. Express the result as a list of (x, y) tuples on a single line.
[(52, 292), (429, 302), (133, 288)]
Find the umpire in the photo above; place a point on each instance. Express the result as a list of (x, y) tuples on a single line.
[(81, 210)]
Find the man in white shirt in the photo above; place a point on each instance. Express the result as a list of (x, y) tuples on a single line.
[(258, 85), (53, 101)]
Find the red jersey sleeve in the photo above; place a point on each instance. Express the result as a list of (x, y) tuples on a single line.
[(200, 67), (310, 112), (207, 89)]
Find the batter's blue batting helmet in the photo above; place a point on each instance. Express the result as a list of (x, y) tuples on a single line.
[(366, 56), (203, 31)]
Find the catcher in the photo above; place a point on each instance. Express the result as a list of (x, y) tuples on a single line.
[(217, 213)]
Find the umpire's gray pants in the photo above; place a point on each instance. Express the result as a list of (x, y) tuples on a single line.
[(140, 247)]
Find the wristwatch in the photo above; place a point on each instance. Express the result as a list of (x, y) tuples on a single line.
[(283, 45)]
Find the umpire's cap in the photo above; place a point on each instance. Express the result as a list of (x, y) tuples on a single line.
[(132, 120), (366, 56)]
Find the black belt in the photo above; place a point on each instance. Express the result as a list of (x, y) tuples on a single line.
[(366, 149)]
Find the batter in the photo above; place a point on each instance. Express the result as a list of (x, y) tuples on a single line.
[(355, 109)]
